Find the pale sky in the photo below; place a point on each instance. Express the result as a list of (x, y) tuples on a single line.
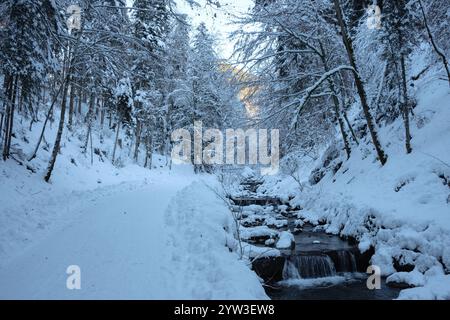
[(216, 19)]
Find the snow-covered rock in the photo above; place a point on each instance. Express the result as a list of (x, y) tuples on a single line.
[(286, 240), (406, 279)]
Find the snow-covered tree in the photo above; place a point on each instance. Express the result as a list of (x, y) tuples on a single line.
[(28, 52)]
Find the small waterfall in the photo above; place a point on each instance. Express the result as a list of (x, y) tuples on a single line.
[(306, 266), (346, 261), (290, 270)]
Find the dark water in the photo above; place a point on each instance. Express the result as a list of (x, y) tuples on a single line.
[(321, 266), (324, 267), (353, 288)]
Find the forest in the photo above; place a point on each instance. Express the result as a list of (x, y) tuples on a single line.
[(339, 111)]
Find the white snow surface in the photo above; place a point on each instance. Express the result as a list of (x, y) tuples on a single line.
[(147, 239), (285, 241), (114, 222)]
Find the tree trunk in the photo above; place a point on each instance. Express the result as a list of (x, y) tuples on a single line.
[(102, 114), (138, 141), (149, 153), (116, 140), (80, 94), (336, 103), (89, 120), (50, 110), (57, 145), (349, 125), (9, 120), (71, 105), (359, 84), (405, 107)]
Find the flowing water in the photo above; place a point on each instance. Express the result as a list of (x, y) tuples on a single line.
[(320, 267)]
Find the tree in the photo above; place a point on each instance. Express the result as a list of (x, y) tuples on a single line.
[(28, 52), (348, 43), (398, 40), (124, 103), (432, 38)]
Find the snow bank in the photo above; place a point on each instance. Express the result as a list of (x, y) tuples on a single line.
[(203, 252), (436, 288), (413, 278)]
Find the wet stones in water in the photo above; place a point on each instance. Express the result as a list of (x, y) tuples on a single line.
[(259, 239), (270, 269), (247, 201), (253, 221), (275, 223)]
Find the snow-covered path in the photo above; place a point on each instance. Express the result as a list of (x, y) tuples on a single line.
[(118, 241)]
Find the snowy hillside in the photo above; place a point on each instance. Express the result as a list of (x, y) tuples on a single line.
[(402, 209)]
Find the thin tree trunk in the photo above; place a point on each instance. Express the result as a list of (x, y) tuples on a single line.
[(47, 118), (102, 115), (138, 141), (80, 94), (116, 140), (382, 157), (405, 107), (349, 125), (92, 148), (110, 120), (1, 124), (148, 153), (8, 89), (57, 145), (9, 121), (5, 104), (336, 104), (89, 120), (71, 106)]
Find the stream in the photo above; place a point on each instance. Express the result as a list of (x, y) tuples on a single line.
[(319, 266)]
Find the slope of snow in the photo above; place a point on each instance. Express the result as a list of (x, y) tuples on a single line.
[(204, 253), (401, 209)]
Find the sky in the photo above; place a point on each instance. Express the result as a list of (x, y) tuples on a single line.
[(216, 19)]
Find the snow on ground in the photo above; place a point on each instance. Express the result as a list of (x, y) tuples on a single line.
[(436, 288), (401, 209), (204, 253), (158, 238), (114, 235), (113, 222)]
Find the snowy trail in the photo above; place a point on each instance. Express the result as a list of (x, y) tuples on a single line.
[(118, 241)]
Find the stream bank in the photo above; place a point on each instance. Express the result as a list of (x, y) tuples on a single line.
[(312, 264)]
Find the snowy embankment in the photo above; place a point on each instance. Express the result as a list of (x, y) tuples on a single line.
[(204, 261), (401, 210)]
